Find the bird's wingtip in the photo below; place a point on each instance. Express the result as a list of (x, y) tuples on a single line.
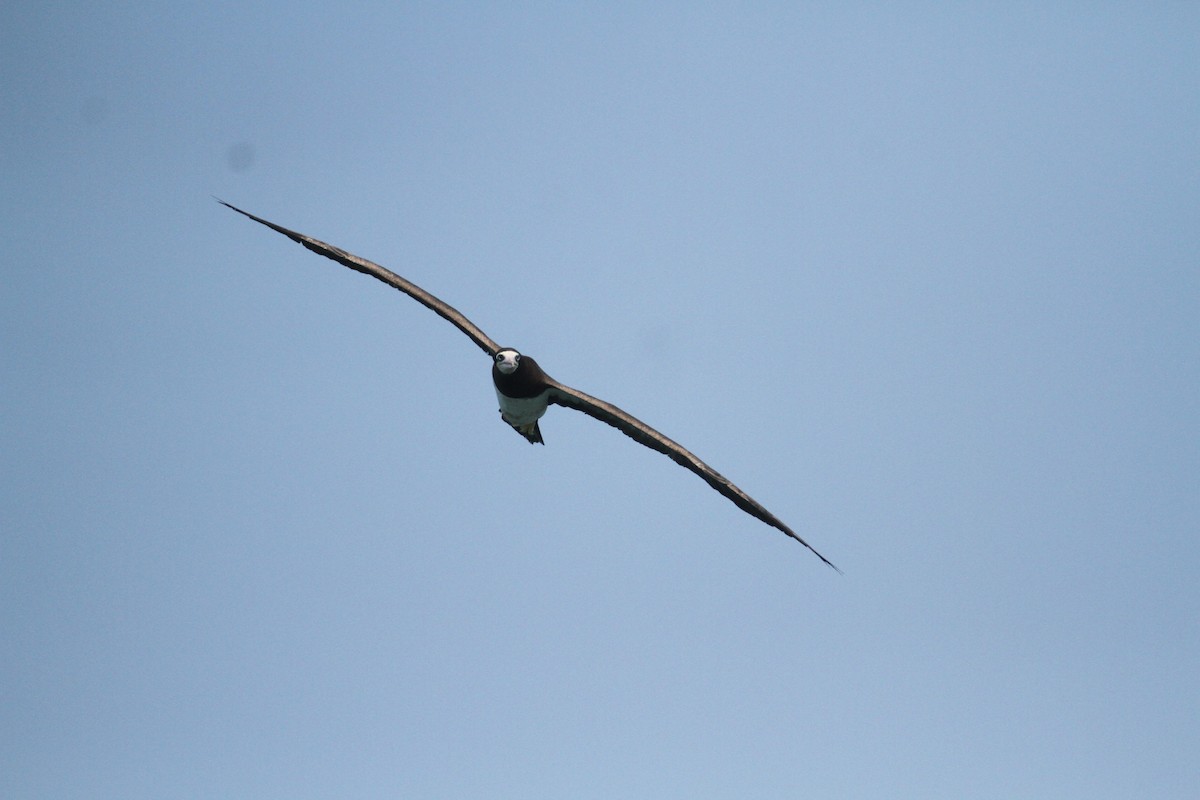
[(828, 563), (231, 206), (814, 550)]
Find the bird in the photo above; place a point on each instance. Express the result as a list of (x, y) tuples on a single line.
[(524, 391)]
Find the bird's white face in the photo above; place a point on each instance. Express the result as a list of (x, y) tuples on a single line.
[(507, 361)]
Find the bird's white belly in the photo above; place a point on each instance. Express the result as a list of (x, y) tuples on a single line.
[(523, 410)]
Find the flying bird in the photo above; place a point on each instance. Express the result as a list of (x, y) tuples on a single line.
[(524, 391)]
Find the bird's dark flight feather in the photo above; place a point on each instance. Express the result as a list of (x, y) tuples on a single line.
[(442, 309), (639, 431)]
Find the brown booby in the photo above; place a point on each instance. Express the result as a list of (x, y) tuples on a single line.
[(525, 391)]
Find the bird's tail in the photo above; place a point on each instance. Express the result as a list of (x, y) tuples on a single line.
[(531, 432)]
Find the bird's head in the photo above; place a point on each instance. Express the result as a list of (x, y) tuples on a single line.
[(507, 361)]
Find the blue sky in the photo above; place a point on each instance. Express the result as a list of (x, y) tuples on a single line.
[(922, 280)]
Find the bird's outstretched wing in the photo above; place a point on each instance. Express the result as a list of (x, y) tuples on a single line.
[(352, 261), (639, 431)]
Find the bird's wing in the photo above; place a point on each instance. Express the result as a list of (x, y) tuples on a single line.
[(387, 276), (639, 431)]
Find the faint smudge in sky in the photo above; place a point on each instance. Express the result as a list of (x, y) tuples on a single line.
[(240, 156)]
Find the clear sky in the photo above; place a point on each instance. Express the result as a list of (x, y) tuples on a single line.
[(921, 279)]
